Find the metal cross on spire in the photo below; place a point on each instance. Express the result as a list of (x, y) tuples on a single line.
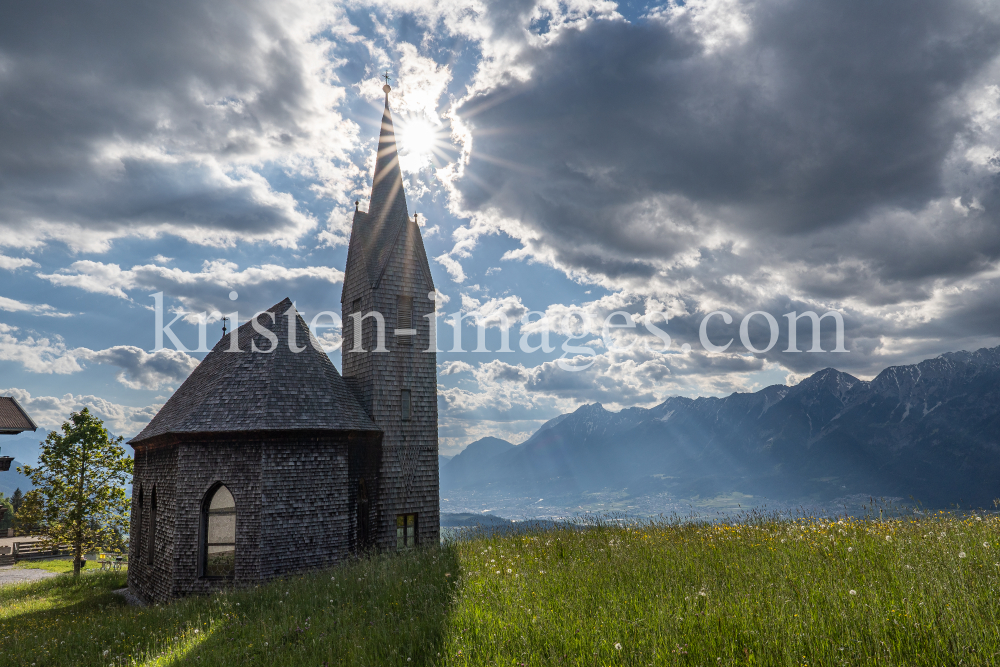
[(386, 77)]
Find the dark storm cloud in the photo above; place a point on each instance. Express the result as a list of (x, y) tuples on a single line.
[(823, 138), (118, 114)]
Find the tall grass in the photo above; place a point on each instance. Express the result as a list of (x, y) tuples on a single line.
[(913, 591)]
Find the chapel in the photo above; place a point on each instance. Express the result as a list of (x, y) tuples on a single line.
[(267, 461)]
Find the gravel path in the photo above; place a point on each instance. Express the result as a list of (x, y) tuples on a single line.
[(13, 575)]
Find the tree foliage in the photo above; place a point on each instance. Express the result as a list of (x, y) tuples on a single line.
[(79, 497), (17, 499), (7, 512)]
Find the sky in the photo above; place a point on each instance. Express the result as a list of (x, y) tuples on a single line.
[(567, 159)]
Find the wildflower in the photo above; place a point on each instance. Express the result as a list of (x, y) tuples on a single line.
[(849, 549), (509, 570), (618, 646), (888, 538), (979, 518), (961, 554), (853, 592)]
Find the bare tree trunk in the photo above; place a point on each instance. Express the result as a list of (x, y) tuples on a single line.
[(77, 549)]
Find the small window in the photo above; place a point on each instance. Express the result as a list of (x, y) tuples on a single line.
[(138, 529), (219, 553), (363, 514), (404, 405), (404, 320), (406, 531), (151, 546)]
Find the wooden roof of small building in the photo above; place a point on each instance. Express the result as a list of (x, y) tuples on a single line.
[(13, 418), (272, 390)]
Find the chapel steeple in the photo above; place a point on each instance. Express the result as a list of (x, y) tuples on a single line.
[(387, 198), (388, 296)]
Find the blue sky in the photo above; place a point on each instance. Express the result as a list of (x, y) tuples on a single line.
[(564, 157)]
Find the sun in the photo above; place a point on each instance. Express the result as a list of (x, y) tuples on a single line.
[(421, 140), (418, 136)]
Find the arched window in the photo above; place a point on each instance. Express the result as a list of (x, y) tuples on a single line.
[(151, 546), (219, 530)]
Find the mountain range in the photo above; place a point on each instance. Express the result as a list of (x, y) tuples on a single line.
[(928, 431)]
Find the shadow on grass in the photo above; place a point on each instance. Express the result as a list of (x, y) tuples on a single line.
[(382, 609), (377, 610)]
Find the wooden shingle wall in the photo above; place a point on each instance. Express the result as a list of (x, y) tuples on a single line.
[(409, 478), (153, 468), (234, 462)]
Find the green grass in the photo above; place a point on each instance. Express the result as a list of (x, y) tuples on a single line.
[(759, 593), (62, 565)]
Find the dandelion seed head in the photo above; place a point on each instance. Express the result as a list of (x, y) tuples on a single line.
[(961, 554), (853, 592)]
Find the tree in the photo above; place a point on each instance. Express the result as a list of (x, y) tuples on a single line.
[(17, 499), (6, 514), (28, 519), (79, 485)]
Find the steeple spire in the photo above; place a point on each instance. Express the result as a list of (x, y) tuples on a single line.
[(387, 199)]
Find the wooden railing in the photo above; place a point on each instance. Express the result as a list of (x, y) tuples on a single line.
[(39, 551)]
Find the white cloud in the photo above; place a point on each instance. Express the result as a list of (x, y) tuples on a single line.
[(452, 266), (166, 136), (453, 367), (13, 263), (145, 370), (14, 306), (138, 369), (494, 312), (38, 354), (51, 411), (201, 291)]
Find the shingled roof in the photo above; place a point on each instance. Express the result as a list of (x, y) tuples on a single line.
[(374, 233), (13, 418), (278, 390)]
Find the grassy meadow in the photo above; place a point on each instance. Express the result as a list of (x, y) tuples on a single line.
[(762, 592)]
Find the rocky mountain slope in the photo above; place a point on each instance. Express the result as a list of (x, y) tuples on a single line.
[(930, 431)]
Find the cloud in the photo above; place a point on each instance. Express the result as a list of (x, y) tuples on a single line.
[(15, 306), (740, 154), (138, 369), (14, 263), (203, 291), (38, 354), (453, 367), (145, 370), (495, 312), (452, 266), (51, 411), (169, 129)]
